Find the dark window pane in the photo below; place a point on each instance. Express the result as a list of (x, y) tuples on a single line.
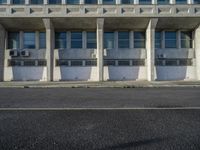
[(60, 40), (123, 39), (124, 63), (170, 39), (18, 1), (127, 1), (76, 39), (158, 39), (62, 62), (186, 39), (181, 1), (76, 63), (29, 62), (36, 2), (90, 62), (13, 40), (172, 62), (91, 2), (91, 40), (29, 40), (3, 1), (163, 2), (73, 1), (139, 39), (145, 2), (54, 1), (109, 62), (109, 2), (109, 40), (42, 40), (196, 1)]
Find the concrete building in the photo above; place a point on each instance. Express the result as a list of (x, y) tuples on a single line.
[(99, 40)]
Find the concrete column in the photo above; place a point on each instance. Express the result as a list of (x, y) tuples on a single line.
[(46, 2), (82, 1), (118, 1), (197, 51), (8, 2), (100, 1), (150, 48), (172, 1), (49, 48), (63, 2), (100, 48), (154, 2), (27, 2), (2, 51)]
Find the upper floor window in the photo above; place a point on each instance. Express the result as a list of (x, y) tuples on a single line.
[(3, 1), (91, 1), (139, 39), (42, 40), (109, 40), (170, 39), (18, 1), (29, 40), (109, 2), (145, 2), (186, 39), (54, 1), (163, 2), (123, 39), (127, 1), (36, 1), (73, 1), (13, 40), (158, 39), (60, 40), (181, 1), (196, 1), (76, 39), (91, 40)]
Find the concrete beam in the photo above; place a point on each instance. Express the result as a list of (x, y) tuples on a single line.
[(197, 51), (100, 48), (49, 48), (2, 51), (150, 48)]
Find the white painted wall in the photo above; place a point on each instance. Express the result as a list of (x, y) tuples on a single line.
[(125, 73), (175, 73), (75, 73), (25, 73)]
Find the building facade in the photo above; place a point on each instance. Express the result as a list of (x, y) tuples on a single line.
[(99, 40)]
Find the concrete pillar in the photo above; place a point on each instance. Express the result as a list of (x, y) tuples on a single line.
[(150, 48), (118, 1), (2, 51), (49, 48), (8, 2), (172, 1), (46, 2), (82, 1), (27, 2), (100, 48), (63, 2), (100, 1), (197, 51)]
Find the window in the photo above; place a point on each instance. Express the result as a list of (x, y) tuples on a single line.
[(196, 1), (139, 39), (29, 40), (3, 1), (90, 63), (127, 1), (186, 39), (91, 2), (42, 40), (109, 40), (91, 40), (145, 2), (123, 63), (158, 39), (13, 40), (76, 63), (162, 2), (54, 1), (181, 1), (60, 40), (73, 1), (18, 1), (76, 39), (109, 2), (36, 2), (123, 39), (170, 39), (109, 62)]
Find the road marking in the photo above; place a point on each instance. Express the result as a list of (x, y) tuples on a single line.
[(139, 108)]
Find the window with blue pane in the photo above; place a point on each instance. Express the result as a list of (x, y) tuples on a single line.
[(127, 1), (109, 2), (145, 2), (3, 1), (170, 39), (186, 39), (42, 40), (18, 1), (91, 40), (36, 2), (91, 1), (196, 1), (158, 39), (54, 1), (76, 39), (123, 39), (29, 40), (73, 1), (13, 40), (139, 39), (181, 1), (60, 40), (163, 2), (109, 40)]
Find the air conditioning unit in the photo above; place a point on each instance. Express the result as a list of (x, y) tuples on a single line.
[(13, 53), (93, 55), (25, 53)]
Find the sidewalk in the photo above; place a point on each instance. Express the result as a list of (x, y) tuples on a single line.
[(110, 84)]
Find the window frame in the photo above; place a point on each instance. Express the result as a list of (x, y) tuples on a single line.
[(139, 40), (176, 46), (123, 40), (64, 39), (76, 40), (28, 46)]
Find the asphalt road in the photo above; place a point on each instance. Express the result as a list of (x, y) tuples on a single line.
[(99, 97), (164, 128)]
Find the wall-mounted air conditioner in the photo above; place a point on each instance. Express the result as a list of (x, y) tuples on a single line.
[(13, 53), (25, 53)]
